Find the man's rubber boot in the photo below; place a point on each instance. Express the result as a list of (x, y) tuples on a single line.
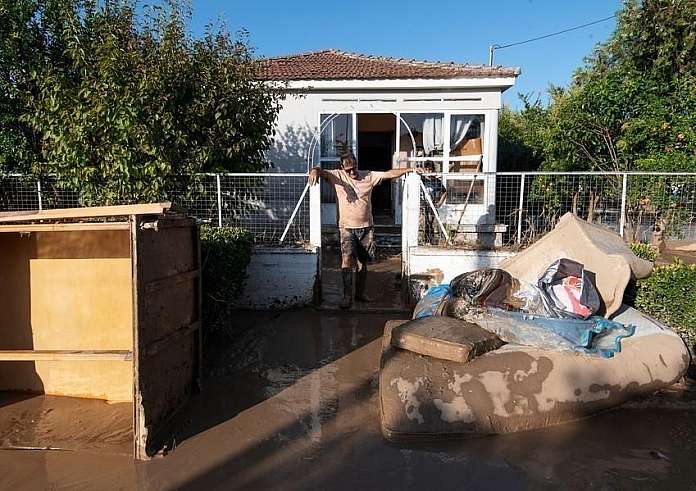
[(361, 285), (347, 301)]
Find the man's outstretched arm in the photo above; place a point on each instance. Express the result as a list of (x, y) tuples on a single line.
[(394, 173)]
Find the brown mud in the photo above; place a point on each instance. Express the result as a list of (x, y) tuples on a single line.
[(290, 402)]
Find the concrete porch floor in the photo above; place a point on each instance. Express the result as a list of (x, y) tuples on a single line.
[(290, 402), (383, 284)]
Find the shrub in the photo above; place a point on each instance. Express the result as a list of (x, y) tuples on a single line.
[(225, 255), (669, 295), (644, 251)]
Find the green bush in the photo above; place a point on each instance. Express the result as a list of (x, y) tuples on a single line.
[(669, 295), (225, 255), (644, 251)]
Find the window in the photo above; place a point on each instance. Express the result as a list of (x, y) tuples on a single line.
[(336, 135), (422, 135), (466, 136)]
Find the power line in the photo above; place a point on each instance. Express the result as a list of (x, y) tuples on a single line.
[(494, 47)]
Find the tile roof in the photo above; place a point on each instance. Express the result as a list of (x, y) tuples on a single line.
[(333, 64)]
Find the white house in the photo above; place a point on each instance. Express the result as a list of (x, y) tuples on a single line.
[(392, 113)]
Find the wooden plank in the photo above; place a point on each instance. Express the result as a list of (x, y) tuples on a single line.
[(61, 355), (110, 380), (65, 227), (170, 281), (156, 346), (95, 211), (199, 339), (139, 428), (164, 224)]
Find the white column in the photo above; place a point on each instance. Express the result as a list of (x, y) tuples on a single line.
[(315, 215), (491, 164), (411, 215)]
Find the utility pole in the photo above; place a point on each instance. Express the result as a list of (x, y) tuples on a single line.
[(491, 50)]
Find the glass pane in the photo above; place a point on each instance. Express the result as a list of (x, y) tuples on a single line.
[(337, 135), (458, 189), (424, 131), (466, 134)]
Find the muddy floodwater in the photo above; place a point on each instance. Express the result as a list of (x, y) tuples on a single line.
[(291, 403)]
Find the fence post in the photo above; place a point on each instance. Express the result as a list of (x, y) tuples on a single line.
[(219, 200), (315, 215), (622, 221), (38, 194), (410, 217), (519, 209)]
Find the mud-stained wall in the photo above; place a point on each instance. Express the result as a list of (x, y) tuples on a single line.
[(280, 278)]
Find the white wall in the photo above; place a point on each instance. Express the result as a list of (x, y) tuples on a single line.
[(280, 278), (298, 120), (452, 262)]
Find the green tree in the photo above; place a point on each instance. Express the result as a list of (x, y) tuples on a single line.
[(631, 107), (128, 107)]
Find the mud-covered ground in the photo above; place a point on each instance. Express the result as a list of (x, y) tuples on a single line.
[(291, 403)]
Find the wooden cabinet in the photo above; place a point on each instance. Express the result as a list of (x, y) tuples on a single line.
[(103, 303)]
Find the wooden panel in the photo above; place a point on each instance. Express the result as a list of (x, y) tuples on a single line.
[(64, 227), (95, 211), (81, 304), (67, 291), (109, 380), (167, 295), (168, 309), (58, 355), (166, 383), (166, 252), (56, 292)]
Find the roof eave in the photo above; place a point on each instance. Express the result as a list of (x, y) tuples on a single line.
[(501, 83)]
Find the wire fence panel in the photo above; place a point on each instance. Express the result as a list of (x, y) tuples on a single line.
[(483, 210), (547, 198), (19, 193), (516, 209), (264, 204), (660, 206)]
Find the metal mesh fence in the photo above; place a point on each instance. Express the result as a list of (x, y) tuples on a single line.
[(515, 209), (261, 203)]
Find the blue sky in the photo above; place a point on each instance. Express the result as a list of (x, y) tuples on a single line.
[(448, 30)]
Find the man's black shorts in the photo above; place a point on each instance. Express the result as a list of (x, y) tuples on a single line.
[(358, 243)]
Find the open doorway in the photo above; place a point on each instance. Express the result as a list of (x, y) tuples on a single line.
[(376, 142)]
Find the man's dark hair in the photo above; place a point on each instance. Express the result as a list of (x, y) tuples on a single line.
[(348, 157), (429, 164)]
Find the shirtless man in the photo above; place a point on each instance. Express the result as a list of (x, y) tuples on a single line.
[(353, 194)]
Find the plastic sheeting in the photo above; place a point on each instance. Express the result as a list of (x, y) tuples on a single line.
[(433, 302), (595, 336)]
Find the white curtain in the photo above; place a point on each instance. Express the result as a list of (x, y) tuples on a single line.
[(432, 133), (459, 126)]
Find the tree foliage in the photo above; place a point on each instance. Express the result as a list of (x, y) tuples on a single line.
[(631, 107), (126, 107)]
